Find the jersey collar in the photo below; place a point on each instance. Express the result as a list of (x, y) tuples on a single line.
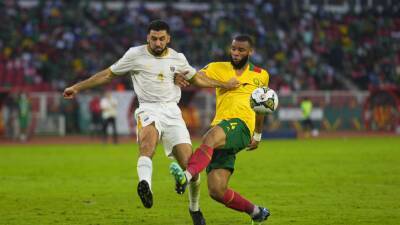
[(244, 71), (162, 55)]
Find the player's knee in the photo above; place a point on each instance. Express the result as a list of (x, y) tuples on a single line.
[(146, 149), (209, 140), (216, 193), (214, 138), (182, 153), (144, 146)]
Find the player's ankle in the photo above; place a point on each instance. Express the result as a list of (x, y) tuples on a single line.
[(256, 211), (188, 175)]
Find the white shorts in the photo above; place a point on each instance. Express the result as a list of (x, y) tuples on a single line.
[(169, 123)]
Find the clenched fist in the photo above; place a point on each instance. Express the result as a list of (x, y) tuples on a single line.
[(70, 93)]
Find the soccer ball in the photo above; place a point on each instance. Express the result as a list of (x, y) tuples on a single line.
[(264, 100)]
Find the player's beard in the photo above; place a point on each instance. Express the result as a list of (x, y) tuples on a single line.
[(158, 51), (239, 65)]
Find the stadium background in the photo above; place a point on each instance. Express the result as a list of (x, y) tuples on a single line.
[(337, 53), (343, 55)]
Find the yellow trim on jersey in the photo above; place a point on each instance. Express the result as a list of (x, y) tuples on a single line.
[(236, 103)]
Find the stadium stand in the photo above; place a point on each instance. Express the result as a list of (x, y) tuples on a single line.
[(47, 44), (334, 52)]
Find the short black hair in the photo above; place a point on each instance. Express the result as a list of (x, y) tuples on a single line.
[(158, 25), (245, 37)]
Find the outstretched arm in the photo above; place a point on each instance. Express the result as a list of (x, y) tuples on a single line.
[(201, 80), (99, 78), (257, 132)]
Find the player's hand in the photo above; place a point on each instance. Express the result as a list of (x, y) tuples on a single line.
[(253, 145), (232, 84), (180, 79), (70, 93)]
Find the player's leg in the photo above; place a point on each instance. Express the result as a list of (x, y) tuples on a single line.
[(114, 128), (309, 124), (147, 137), (218, 190), (177, 143), (105, 122), (216, 137), (182, 153), (200, 159)]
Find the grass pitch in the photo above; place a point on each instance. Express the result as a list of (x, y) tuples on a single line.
[(305, 182)]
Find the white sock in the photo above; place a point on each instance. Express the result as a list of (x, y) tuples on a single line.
[(194, 195), (188, 175), (256, 210), (145, 169)]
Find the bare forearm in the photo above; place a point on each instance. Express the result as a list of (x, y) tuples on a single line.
[(100, 78), (259, 123), (200, 80)]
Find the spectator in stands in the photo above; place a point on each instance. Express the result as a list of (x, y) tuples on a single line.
[(24, 107), (308, 126), (39, 44), (9, 113), (96, 117), (108, 106), (70, 109)]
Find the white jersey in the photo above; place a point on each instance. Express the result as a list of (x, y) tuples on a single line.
[(153, 76)]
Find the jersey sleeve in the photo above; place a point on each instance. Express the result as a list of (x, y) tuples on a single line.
[(186, 67), (124, 64), (266, 78)]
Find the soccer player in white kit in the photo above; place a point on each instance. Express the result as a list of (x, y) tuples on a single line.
[(152, 68)]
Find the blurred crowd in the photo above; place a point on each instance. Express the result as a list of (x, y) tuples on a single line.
[(55, 43)]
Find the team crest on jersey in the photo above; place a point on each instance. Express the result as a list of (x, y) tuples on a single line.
[(160, 76), (256, 82), (172, 68)]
